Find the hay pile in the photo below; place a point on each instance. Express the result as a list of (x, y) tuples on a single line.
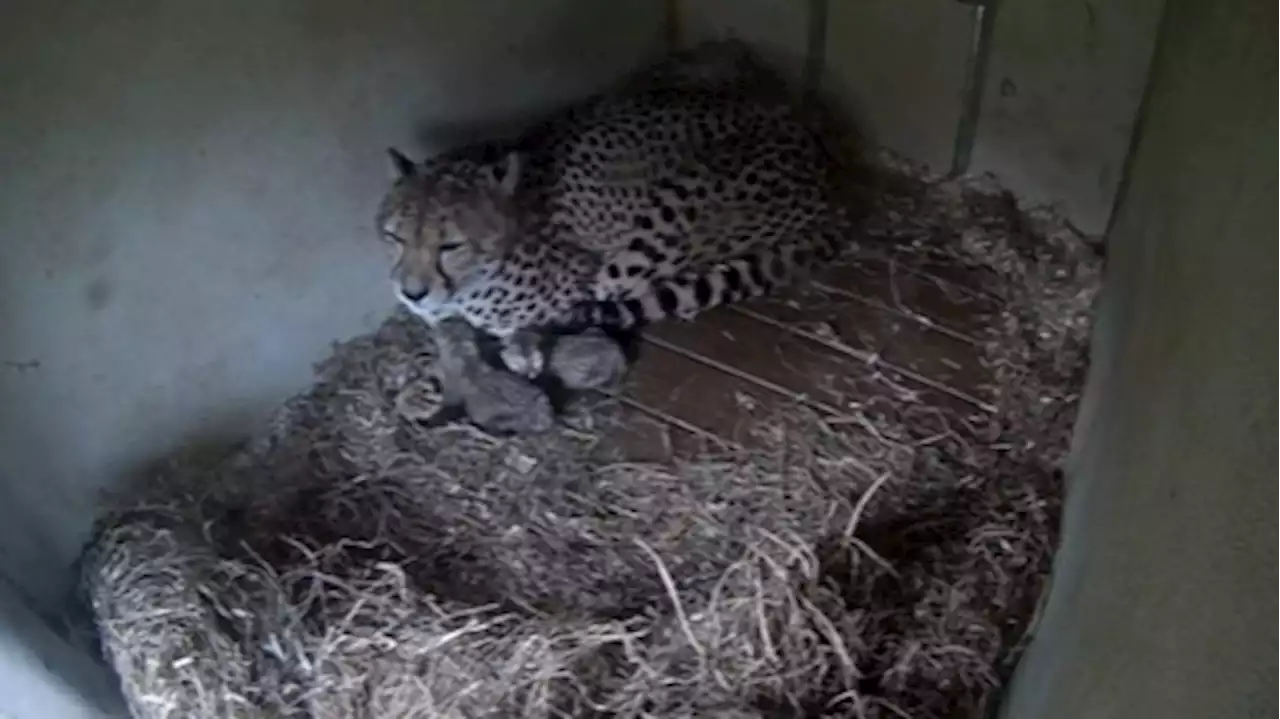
[(347, 563)]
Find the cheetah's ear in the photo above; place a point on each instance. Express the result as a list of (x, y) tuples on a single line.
[(401, 166), (506, 173)]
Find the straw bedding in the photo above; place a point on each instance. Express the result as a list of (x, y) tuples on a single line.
[(346, 562)]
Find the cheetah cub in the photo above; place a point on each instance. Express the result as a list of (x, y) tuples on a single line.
[(495, 400), (590, 360)]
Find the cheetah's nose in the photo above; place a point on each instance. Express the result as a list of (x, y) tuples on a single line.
[(414, 296)]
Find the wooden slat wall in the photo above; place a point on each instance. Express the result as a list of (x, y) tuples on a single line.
[(895, 67), (1061, 99), (1057, 99)]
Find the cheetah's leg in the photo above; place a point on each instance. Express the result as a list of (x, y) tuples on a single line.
[(522, 353)]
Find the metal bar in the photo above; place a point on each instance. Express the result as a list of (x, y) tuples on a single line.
[(815, 51), (975, 81)]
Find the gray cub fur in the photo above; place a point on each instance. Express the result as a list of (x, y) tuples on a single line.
[(494, 400), (589, 361)]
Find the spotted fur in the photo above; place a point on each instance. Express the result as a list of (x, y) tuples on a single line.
[(692, 184)]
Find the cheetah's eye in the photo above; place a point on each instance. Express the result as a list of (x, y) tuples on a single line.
[(450, 246), (393, 238)]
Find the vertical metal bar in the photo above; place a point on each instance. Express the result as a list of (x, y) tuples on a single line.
[(975, 82), (815, 51), (1139, 123), (673, 33)]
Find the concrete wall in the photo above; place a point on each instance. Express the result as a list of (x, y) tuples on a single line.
[(778, 29), (1044, 94), (42, 674), (1060, 99), (1164, 593), (188, 190), (897, 68)]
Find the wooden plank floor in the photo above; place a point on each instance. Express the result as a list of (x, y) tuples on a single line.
[(860, 333)]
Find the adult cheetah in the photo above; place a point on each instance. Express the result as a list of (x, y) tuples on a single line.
[(693, 183)]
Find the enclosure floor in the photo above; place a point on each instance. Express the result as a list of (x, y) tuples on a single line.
[(863, 331)]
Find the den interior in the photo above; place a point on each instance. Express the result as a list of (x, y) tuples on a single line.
[(1011, 453)]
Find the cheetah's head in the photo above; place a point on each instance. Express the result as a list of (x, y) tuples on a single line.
[(444, 220)]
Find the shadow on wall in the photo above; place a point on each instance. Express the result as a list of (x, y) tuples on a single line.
[(189, 191), (44, 673), (51, 643), (186, 250)]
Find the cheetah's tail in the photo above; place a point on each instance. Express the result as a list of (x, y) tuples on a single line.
[(732, 280)]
